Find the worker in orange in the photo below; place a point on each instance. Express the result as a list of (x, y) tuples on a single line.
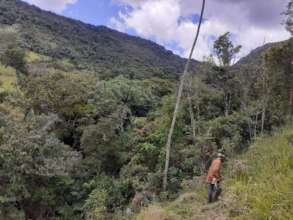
[(214, 178)]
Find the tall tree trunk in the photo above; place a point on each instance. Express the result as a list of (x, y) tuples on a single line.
[(192, 120), (255, 125), (263, 117), (250, 128), (178, 99), (227, 104), (265, 97), (291, 103), (198, 118)]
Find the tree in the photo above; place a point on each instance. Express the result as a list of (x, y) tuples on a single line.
[(33, 165), (289, 14), (138, 96), (45, 92), (101, 143), (253, 80), (10, 53), (226, 53), (15, 57), (225, 50), (279, 60)]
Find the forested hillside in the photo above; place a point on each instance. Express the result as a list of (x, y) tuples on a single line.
[(85, 112), (100, 49)]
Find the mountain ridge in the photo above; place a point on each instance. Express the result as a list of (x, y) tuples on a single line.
[(97, 48)]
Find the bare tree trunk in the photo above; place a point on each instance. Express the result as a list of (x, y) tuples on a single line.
[(263, 117), (255, 125), (169, 140), (227, 104), (291, 103), (192, 120), (250, 128), (198, 118), (266, 95)]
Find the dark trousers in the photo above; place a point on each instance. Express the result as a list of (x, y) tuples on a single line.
[(214, 190)]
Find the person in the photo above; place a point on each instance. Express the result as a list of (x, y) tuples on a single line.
[(214, 178)]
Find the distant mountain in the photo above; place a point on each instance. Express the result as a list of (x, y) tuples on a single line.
[(95, 48), (255, 55)]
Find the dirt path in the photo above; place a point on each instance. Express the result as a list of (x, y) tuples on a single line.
[(190, 206), (214, 211)]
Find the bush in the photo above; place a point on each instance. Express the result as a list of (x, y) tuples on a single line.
[(109, 196)]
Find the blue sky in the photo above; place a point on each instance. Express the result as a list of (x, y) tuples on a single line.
[(172, 23), (92, 11)]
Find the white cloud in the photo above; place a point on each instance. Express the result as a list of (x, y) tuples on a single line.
[(251, 22), (52, 5)]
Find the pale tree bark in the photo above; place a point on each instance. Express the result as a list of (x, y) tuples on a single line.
[(169, 140), (227, 104), (263, 117), (291, 103), (266, 94), (198, 118), (250, 128), (256, 124), (178, 99), (190, 107)]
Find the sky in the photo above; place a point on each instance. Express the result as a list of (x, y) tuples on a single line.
[(172, 23)]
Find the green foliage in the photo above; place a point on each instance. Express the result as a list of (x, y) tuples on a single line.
[(225, 50), (108, 196), (230, 133), (45, 92), (96, 107), (266, 194), (138, 96), (289, 14), (8, 37), (279, 62), (15, 57), (8, 77), (99, 49), (102, 143), (257, 185), (33, 162)]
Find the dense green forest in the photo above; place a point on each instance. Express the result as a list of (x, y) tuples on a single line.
[(84, 117), (87, 47)]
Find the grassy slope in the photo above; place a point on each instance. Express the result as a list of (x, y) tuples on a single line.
[(258, 185), (7, 78), (265, 189)]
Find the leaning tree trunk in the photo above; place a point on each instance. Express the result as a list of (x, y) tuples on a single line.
[(178, 99)]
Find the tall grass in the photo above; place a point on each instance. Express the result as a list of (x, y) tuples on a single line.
[(265, 189)]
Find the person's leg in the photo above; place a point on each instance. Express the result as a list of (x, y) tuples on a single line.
[(218, 191), (210, 192)]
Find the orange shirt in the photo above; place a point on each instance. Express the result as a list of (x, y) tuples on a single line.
[(214, 170)]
